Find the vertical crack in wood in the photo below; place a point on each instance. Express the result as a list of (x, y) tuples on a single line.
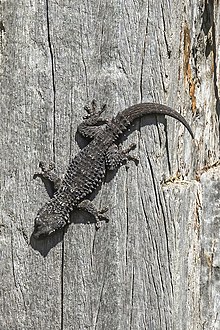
[(152, 273), (158, 131), (84, 62), (164, 33), (167, 150), (163, 206), (215, 76), (2, 31), (127, 217), (53, 76), (157, 250), (132, 299), (143, 207), (62, 288), (71, 124), (208, 27), (99, 306), (143, 57), (12, 259), (16, 284), (153, 181)]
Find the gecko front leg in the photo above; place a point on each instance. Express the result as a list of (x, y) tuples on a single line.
[(49, 177), (92, 121)]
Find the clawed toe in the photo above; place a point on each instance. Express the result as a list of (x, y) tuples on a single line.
[(92, 110), (46, 167)]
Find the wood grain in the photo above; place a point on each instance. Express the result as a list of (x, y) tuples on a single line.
[(156, 264)]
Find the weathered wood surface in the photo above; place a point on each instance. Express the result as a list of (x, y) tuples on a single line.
[(156, 264)]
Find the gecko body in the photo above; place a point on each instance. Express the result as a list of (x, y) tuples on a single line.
[(88, 168)]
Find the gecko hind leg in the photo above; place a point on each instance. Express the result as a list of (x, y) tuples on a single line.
[(116, 156), (49, 177), (89, 207)]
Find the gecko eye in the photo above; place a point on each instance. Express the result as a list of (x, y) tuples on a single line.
[(37, 222), (41, 229)]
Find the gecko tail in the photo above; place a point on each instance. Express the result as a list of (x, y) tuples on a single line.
[(139, 110)]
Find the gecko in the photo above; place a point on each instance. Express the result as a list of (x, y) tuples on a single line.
[(88, 168)]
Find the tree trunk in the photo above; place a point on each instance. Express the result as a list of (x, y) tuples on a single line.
[(156, 264)]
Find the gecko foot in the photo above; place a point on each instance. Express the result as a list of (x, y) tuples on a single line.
[(49, 177), (92, 110), (88, 206), (92, 122), (116, 156)]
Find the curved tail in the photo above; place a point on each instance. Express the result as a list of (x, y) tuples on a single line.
[(139, 110)]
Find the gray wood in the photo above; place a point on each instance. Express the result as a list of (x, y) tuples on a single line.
[(156, 264)]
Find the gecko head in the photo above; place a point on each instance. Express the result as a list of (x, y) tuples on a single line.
[(47, 223)]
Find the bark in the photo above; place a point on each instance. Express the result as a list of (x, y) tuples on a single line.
[(156, 264)]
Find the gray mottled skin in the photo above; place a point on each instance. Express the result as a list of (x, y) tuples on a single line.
[(87, 169)]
